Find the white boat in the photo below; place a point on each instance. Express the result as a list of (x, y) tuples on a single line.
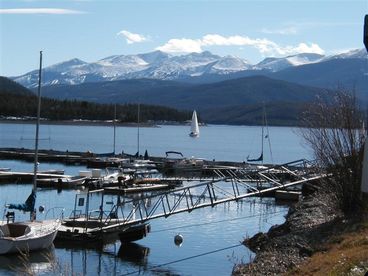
[(194, 128), (173, 163), (28, 235), (62, 183)]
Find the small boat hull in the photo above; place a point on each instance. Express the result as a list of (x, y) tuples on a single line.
[(38, 235), (134, 232)]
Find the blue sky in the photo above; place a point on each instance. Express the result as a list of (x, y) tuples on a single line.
[(91, 30)]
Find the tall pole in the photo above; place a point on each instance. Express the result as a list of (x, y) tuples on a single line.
[(114, 128), (263, 124), (37, 125), (138, 128)]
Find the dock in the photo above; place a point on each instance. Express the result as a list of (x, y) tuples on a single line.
[(27, 177), (95, 160)]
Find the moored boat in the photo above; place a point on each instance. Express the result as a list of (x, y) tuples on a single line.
[(106, 222), (27, 236), (62, 183), (134, 232)]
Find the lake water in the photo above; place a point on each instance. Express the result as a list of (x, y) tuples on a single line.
[(212, 236)]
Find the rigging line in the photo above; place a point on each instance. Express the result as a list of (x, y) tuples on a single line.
[(268, 135), (187, 258), (213, 222)]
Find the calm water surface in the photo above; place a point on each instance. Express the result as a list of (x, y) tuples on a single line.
[(211, 235)]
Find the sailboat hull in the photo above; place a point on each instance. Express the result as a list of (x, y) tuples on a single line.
[(27, 236)]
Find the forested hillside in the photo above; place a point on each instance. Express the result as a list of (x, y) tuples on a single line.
[(19, 102)]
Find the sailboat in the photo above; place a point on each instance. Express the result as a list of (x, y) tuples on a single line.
[(194, 129), (263, 136), (29, 235)]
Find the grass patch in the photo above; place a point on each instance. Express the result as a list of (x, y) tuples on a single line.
[(346, 254)]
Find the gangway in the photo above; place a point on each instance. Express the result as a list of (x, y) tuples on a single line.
[(229, 186)]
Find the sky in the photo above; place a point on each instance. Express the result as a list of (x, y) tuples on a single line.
[(92, 30)]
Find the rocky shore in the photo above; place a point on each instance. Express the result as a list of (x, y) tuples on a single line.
[(309, 224)]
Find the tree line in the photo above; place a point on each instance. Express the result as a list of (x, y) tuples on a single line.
[(26, 105)]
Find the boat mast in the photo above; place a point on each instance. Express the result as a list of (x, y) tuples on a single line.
[(114, 128), (138, 128), (263, 124), (37, 125)]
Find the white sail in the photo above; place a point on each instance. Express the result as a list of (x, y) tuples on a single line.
[(194, 128)]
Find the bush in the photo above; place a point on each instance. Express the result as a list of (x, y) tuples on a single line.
[(335, 132)]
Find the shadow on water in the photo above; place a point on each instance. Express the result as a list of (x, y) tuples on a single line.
[(137, 255), (31, 263), (97, 245), (134, 253)]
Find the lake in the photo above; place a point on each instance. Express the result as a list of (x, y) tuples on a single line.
[(212, 236)]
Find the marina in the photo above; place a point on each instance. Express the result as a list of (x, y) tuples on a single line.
[(153, 239), (183, 138)]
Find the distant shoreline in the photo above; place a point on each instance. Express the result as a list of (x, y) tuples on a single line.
[(78, 123)]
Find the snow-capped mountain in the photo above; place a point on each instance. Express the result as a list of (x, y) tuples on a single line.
[(228, 65), (356, 53), (277, 64), (160, 65)]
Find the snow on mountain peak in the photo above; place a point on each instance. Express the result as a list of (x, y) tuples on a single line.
[(276, 64), (229, 64), (154, 57), (62, 66), (355, 53), (160, 65)]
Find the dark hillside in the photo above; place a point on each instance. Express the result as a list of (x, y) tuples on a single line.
[(349, 73), (243, 91), (18, 101), (11, 87)]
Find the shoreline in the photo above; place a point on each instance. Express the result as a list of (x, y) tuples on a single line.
[(78, 123), (308, 225)]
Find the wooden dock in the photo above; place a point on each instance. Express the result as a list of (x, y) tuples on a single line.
[(27, 177), (90, 158)]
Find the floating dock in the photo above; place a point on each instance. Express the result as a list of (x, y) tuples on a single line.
[(27, 177)]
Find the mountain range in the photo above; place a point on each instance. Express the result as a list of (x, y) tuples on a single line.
[(223, 89), (227, 102), (194, 67)]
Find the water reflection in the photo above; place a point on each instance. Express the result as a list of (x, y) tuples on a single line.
[(32, 263), (104, 259), (134, 253)]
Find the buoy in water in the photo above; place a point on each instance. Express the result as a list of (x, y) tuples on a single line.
[(178, 240), (41, 209)]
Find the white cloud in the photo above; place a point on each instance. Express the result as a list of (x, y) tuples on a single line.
[(282, 31), (132, 38), (312, 48), (39, 11), (263, 45), (181, 46)]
